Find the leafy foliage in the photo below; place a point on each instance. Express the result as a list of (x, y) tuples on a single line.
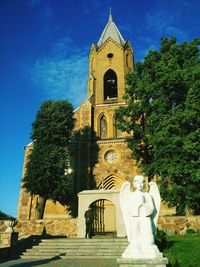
[(161, 240), (190, 231), (46, 174), (162, 118), (4, 216)]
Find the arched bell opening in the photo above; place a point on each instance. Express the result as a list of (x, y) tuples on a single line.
[(110, 85)]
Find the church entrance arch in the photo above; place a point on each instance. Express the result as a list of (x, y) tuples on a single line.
[(87, 198)]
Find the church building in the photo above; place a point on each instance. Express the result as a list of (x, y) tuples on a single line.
[(110, 60)]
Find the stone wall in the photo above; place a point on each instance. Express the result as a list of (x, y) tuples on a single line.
[(53, 227), (68, 227), (8, 239), (5, 240), (178, 224), (3, 226)]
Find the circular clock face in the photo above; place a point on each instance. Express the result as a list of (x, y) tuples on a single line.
[(111, 156)]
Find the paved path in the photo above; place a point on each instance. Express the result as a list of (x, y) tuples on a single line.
[(62, 263)]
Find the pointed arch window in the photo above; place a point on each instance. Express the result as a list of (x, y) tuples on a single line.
[(110, 85), (103, 127), (117, 133)]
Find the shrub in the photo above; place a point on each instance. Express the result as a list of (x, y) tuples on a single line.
[(161, 240), (190, 231)]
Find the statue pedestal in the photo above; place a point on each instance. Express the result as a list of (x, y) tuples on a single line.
[(156, 262)]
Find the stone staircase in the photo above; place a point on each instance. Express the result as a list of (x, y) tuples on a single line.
[(66, 248)]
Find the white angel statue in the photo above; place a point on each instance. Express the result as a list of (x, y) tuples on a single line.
[(140, 212)]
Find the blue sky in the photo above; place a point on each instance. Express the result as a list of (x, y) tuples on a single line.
[(44, 47)]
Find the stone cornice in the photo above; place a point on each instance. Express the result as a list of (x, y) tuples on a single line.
[(110, 104), (111, 141)]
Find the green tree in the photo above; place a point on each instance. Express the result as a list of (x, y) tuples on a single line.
[(162, 118), (4, 216), (46, 171)]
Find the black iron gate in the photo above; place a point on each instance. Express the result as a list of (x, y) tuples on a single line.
[(98, 222)]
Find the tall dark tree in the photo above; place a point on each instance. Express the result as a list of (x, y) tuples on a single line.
[(46, 171), (162, 118), (83, 158)]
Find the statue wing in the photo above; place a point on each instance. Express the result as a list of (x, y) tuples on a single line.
[(154, 192), (124, 200)]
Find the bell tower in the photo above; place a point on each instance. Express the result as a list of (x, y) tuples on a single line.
[(109, 62)]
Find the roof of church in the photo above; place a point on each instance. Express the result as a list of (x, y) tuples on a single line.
[(112, 31)]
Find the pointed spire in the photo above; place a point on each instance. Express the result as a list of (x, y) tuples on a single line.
[(112, 31), (110, 15)]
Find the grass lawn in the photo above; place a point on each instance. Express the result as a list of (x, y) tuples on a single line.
[(183, 251)]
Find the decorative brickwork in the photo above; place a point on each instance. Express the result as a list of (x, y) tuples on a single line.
[(124, 167)]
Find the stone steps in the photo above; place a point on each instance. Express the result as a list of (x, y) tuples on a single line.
[(77, 248), (62, 250), (84, 240)]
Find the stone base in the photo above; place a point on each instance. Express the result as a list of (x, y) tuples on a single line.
[(157, 262)]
